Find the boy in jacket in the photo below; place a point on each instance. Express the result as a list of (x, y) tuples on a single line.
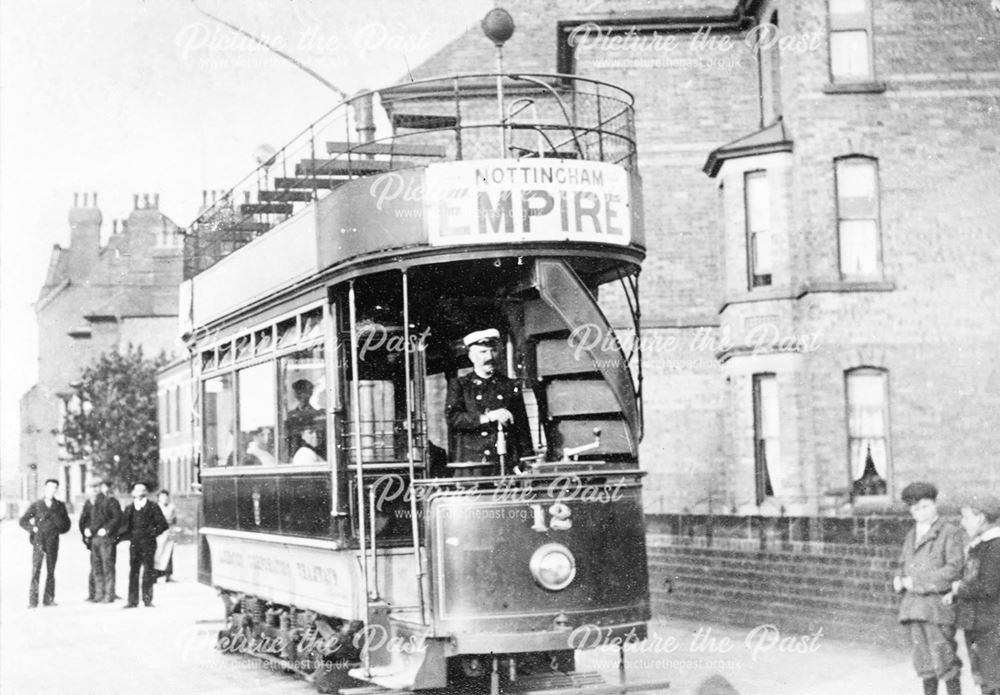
[(931, 560), (978, 592)]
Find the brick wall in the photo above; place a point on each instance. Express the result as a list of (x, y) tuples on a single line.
[(843, 588)]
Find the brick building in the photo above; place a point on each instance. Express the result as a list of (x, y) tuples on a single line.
[(96, 298), (819, 297)]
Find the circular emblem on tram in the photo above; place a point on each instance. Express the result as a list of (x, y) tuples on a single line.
[(553, 566)]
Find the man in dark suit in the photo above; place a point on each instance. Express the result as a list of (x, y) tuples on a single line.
[(45, 520), (105, 518), (84, 525), (482, 404), (141, 522)]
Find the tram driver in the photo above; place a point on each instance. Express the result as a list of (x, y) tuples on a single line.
[(482, 403)]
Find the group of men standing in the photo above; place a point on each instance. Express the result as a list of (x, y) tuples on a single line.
[(103, 524)]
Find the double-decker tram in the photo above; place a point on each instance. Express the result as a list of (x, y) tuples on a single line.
[(375, 514)]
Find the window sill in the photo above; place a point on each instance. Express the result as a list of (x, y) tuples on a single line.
[(817, 286), (854, 87), (764, 293), (873, 504)]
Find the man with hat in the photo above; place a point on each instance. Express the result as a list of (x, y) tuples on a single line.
[(485, 410), (931, 560), (45, 520), (978, 592), (103, 523), (304, 416)]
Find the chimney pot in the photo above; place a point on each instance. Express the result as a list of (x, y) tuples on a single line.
[(214, 194), (95, 200), (114, 226), (76, 200), (156, 201), (204, 197), (135, 201), (145, 200)]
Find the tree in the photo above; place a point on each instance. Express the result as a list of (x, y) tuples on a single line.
[(112, 419)]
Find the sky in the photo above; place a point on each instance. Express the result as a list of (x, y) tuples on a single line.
[(118, 97)]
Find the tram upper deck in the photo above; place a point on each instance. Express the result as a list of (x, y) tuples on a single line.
[(434, 163)]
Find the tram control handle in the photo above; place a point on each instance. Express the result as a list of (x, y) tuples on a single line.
[(538, 460)]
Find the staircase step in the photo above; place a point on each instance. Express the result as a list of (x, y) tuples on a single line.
[(580, 397), (249, 227), (342, 167), (419, 121), (266, 209), (280, 196), (558, 356), (308, 182), (397, 150)]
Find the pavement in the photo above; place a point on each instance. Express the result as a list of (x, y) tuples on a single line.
[(80, 648)]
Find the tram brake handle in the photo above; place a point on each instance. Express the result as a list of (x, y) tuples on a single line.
[(577, 450)]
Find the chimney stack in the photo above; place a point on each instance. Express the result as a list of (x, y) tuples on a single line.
[(85, 237)]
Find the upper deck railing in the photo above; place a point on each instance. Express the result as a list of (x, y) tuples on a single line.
[(414, 124)]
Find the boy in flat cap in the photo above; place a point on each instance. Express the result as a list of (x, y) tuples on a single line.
[(931, 560), (481, 402), (978, 592)]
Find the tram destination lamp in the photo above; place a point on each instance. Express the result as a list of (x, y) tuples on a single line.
[(498, 26)]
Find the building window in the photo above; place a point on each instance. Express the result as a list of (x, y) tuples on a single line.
[(757, 204), (868, 430), (767, 451), (162, 412), (177, 409), (858, 217), (851, 55), (770, 71)]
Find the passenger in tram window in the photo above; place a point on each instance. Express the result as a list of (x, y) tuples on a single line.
[(481, 402), (307, 452), (258, 450), (303, 416)]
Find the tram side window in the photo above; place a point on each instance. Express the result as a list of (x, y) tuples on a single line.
[(220, 421), (256, 415), (302, 401)]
